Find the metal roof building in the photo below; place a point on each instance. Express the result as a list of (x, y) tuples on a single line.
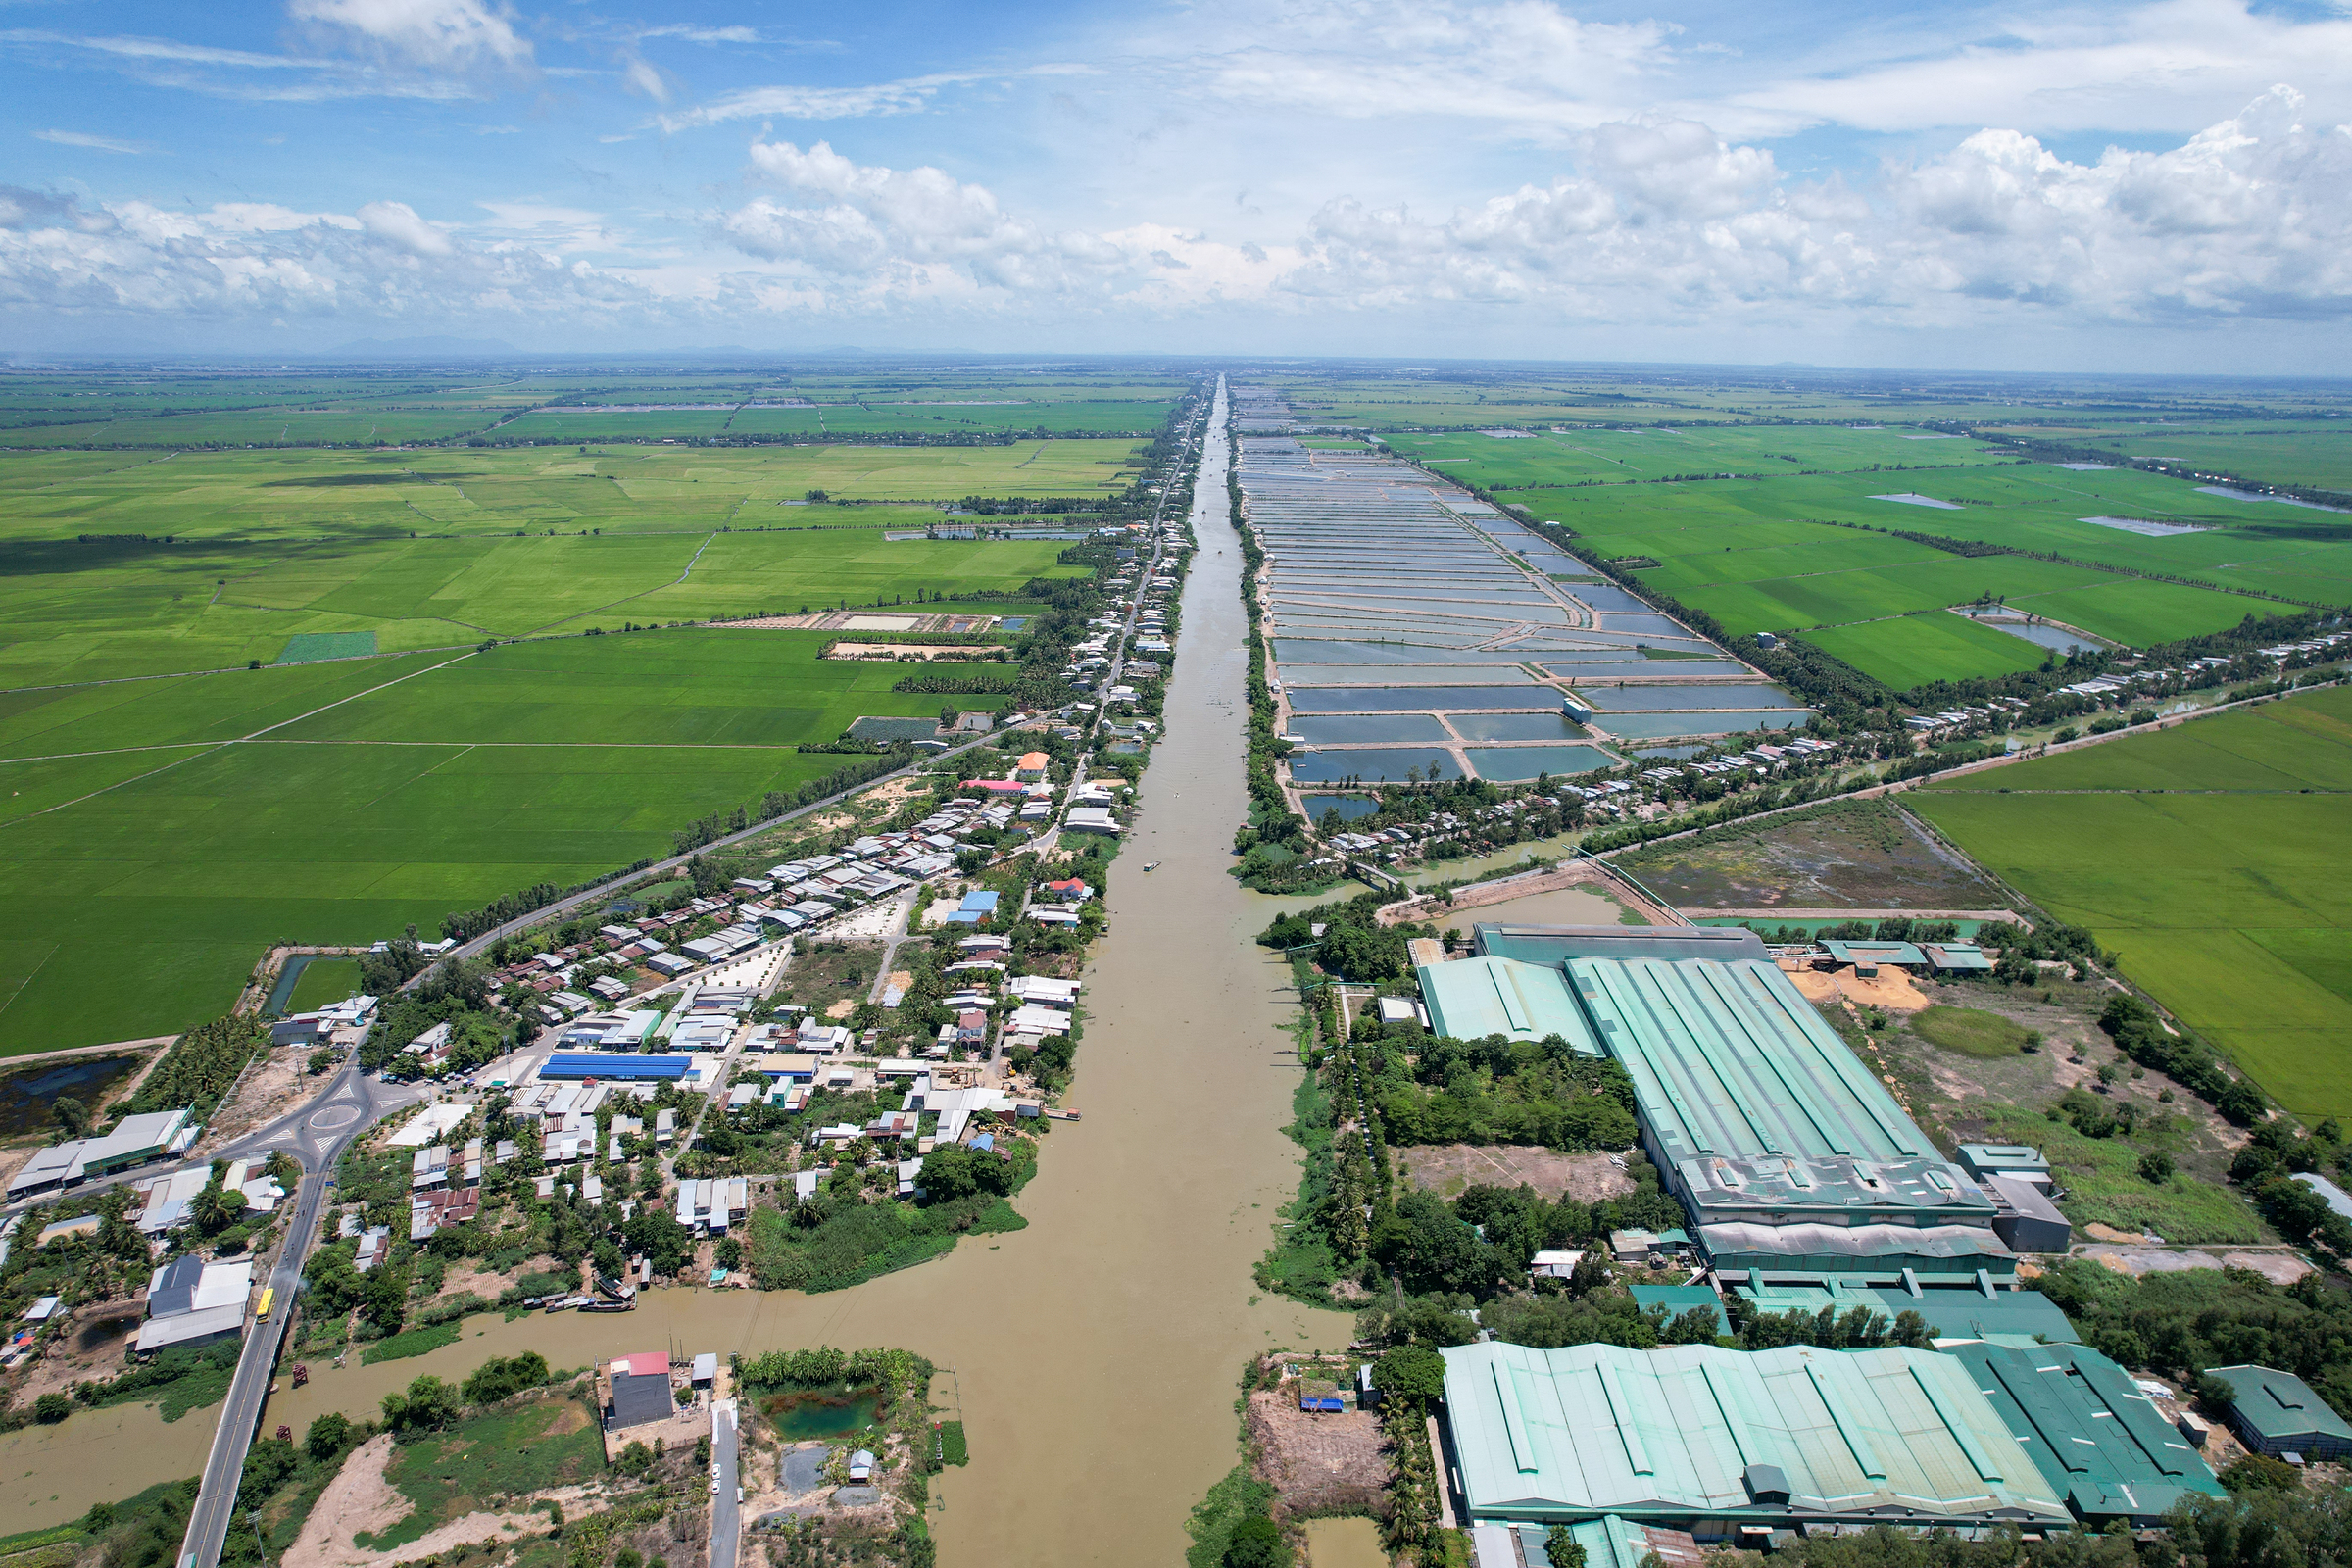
[(2099, 1441), (1788, 1154), (2277, 1412), (568, 1064), (2005, 1317), (1866, 954), (1470, 998), (1729, 1444), (1758, 1115)]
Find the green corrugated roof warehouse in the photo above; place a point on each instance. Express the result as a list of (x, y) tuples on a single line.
[(2097, 1439), (2277, 1412), (1722, 1442)]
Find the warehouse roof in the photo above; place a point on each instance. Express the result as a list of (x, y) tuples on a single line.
[(1680, 1298), (2097, 1439), (1553, 944), (1887, 1255), (569, 1064), (2280, 1405), (1657, 1435), (1897, 953), (1473, 998), (2013, 1317), (1754, 1106)]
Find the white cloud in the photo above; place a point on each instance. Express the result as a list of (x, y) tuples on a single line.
[(2144, 68), (104, 144), (702, 35), (2246, 220), (1528, 63), (438, 34), (642, 78), (398, 223), (814, 103)]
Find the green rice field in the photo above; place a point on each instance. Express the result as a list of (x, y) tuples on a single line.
[(2313, 453), (1818, 555), (2211, 856), (152, 866)]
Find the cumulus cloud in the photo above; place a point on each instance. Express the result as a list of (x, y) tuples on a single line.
[(438, 34), (1650, 221), (864, 234), (2246, 220)]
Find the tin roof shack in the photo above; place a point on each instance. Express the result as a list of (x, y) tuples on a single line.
[(1868, 956), (1731, 1444), (2277, 1413), (2096, 1437), (2025, 1218), (192, 1302)]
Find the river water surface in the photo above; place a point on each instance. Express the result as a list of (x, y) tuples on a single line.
[(1097, 1353)]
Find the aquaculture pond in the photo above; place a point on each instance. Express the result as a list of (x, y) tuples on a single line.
[(1650, 699), (806, 1414), (1395, 729), (1371, 699), (1642, 727), (27, 1093), (1513, 763), (1375, 764), (1516, 727), (1349, 807)]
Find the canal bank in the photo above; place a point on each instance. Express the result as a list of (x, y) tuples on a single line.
[(1098, 1351)]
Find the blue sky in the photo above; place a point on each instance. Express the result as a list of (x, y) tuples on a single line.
[(2160, 186)]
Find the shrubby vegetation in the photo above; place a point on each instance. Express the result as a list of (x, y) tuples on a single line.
[(201, 1064)]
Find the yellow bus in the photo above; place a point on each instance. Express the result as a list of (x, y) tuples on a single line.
[(261, 1313)]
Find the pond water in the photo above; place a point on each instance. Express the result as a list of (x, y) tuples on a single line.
[(2055, 638), (1393, 728), (1349, 807), (809, 1414), (1499, 672), (1612, 666), (1638, 725), (1512, 763), (1289, 651), (1667, 753), (26, 1094), (1646, 699), (1367, 699), (1374, 763), (1124, 748), (1516, 727)]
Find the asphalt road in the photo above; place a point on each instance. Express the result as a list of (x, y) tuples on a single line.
[(726, 1524), (317, 1136)]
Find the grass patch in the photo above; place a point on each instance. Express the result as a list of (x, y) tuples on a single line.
[(2104, 1184), (1210, 1523), (1971, 1032), (529, 1447), (2212, 857), (953, 1449), (409, 1342)]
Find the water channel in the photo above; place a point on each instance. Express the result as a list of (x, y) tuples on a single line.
[(1097, 1353)]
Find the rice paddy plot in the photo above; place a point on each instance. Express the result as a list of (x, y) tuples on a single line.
[(311, 647), (1907, 650), (1513, 764), (1373, 765), (2212, 857), (142, 909), (177, 709), (687, 687)]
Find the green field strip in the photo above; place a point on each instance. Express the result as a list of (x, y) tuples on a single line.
[(2225, 893), (211, 707), (1910, 651)]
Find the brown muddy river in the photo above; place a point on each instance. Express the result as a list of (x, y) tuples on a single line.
[(1097, 1352)]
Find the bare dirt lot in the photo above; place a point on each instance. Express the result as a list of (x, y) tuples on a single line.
[(1849, 854), (1448, 1169), (1317, 1464)]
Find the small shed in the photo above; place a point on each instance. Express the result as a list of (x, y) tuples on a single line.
[(1680, 1298), (705, 1370), (862, 1465), (2277, 1413), (2025, 1218)]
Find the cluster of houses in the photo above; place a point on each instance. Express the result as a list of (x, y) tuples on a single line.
[(342, 1026)]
